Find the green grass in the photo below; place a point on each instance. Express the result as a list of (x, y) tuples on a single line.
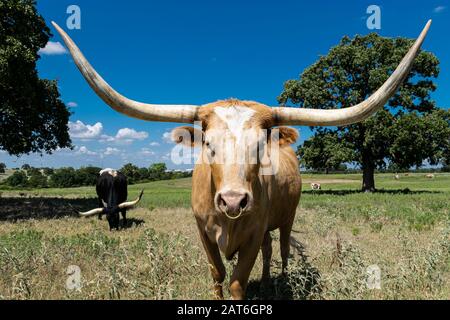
[(404, 229), (111, 268), (414, 199), (162, 194)]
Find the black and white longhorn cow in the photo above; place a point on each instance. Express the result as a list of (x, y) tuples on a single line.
[(112, 196)]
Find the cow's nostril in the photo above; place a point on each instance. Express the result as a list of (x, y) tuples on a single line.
[(222, 202), (244, 202)]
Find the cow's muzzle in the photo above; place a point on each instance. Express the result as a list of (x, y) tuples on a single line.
[(233, 203)]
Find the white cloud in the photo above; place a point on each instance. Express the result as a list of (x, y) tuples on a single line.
[(127, 133), (125, 136), (53, 48), (85, 151), (166, 157), (72, 104), (167, 137), (106, 138), (79, 130), (111, 151), (146, 152), (439, 9), (155, 144)]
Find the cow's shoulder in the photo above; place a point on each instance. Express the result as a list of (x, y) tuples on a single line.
[(109, 171)]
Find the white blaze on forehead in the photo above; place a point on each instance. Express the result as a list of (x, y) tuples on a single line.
[(235, 118), (110, 171)]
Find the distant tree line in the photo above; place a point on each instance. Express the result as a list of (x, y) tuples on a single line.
[(343, 169), (30, 177), (156, 172)]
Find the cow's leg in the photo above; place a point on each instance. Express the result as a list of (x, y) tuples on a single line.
[(285, 235), (215, 262), (246, 260), (124, 218), (266, 249), (100, 205)]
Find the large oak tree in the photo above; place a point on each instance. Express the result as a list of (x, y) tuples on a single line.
[(32, 116), (349, 74)]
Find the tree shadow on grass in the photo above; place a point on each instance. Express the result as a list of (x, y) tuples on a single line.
[(21, 208), (380, 191)]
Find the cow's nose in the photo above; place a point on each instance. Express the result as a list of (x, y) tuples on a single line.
[(233, 202)]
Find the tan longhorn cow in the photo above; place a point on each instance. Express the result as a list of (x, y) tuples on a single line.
[(236, 204)]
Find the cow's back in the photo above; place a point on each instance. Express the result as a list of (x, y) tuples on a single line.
[(112, 188)]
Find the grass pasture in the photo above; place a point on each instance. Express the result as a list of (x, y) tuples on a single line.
[(403, 230)]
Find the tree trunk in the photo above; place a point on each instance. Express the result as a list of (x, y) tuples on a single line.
[(368, 184)]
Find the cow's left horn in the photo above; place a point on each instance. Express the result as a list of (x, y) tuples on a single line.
[(130, 204), (91, 212), (346, 116), (144, 111)]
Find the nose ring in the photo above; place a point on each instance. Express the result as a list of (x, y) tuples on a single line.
[(236, 217)]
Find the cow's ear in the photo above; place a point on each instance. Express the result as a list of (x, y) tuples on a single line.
[(188, 136), (284, 135)]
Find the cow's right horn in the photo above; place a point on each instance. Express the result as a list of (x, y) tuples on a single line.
[(91, 212), (144, 111), (359, 112), (126, 205)]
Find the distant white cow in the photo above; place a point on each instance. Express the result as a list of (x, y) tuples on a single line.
[(315, 186), (396, 177), (430, 176)]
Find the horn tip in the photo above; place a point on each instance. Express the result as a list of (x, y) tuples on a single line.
[(427, 26), (58, 28)]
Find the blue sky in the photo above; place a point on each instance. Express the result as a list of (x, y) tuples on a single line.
[(194, 52)]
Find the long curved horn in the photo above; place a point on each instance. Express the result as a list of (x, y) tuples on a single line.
[(91, 212), (149, 112), (359, 112), (130, 204)]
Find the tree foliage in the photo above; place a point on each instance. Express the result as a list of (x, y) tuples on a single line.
[(32, 116), (324, 151), (417, 138), (17, 179), (85, 176), (64, 178), (37, 180), (70, 177), (132, 172), (349, 74), (157, 171)]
